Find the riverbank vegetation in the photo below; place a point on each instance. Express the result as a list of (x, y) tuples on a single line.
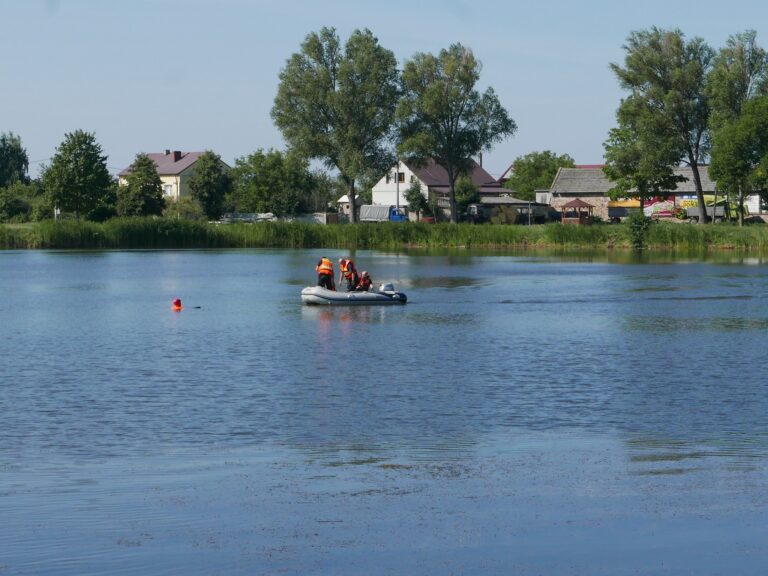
[(164, 233)]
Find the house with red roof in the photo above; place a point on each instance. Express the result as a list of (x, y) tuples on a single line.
[(174, 168)]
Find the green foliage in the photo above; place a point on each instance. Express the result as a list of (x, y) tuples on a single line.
[(442, 116), (667, 77), (186, 208), (740, 152), (326, 190), (739, 77), (639, 225), (337, 105), (417, 203), (77, 179), (178, 233), (739, 74), (271, 182), (210, 183), (466, 194), (21, 202), (504, 215), (14, 162), (535, 171), (640, 154), (143, 194)]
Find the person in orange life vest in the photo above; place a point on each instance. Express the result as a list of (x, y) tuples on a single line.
[(325, 273), (176, 305), (364, 285), (347, 270)]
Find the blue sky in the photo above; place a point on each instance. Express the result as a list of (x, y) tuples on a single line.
[(202, 74)]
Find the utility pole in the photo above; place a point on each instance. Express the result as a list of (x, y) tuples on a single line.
[(397, 186)]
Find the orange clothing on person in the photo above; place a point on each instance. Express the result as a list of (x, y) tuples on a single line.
[(325, 266)]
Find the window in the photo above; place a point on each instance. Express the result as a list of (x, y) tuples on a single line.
[(401, 176), (168, 190)]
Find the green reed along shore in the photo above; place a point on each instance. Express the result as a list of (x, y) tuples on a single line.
[(157, 233)]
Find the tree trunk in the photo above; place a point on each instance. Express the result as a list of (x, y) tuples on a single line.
[(352, 201), (703, 217), (741, 205), (452, 195)]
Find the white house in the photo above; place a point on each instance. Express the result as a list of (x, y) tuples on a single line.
[(391, 188), (174, 168)]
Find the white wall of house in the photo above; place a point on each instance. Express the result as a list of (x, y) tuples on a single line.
[(385, 191), (752, 202)]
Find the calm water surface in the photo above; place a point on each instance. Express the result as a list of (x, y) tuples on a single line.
[(521, 415)]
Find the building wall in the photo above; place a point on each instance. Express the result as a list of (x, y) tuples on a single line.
[(386, 193)]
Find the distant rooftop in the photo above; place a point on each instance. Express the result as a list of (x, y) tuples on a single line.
[(170, 162)]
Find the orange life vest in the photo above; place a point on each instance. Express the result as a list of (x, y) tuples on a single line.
[(325, 267), (347, 268)]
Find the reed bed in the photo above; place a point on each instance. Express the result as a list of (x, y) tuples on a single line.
[(158, 233)]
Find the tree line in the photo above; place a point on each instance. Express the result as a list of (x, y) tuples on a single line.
[(345, 106), (78, 182), (350, 108)]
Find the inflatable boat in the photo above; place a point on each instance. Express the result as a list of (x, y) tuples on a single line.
[(317, 295)]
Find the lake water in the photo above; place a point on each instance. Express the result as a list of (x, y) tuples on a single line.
[(521, 414)]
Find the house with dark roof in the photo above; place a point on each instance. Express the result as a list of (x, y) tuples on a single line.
[(391, 188), (174, 168), (590, 184)]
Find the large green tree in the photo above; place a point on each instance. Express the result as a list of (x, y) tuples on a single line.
[(14, 161), (443, 116), (210, 183), (637, 160), (535, 171), (740, 150), (337, 105), (271, 181), (143, 194), (667, 75), (739, 75), (77, 179)]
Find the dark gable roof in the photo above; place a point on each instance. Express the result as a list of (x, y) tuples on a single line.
[(170, 163), (434, 175), (591, 180)]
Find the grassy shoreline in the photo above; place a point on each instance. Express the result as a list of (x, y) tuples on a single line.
[(157, 233)]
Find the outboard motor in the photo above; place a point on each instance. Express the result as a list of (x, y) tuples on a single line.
[(389, 290)]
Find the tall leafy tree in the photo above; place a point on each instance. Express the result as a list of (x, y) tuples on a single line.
[(77, 179), (740, 150), (337, 105), (637, 160), (668, 75), (143, 194), (739, 75), (210, 183), (14, 162), (443, 116), (535, 171), (271, 181)]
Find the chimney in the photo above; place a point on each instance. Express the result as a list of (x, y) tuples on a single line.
[(176, 155), (480, 157)]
